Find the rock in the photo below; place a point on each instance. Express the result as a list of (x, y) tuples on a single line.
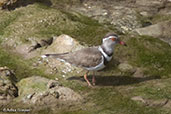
[(138, 98), (125, 67), (32, 85), (152, 7), (68, 94), (8, 89), (139, 73), (157, 103), (7, 3), (167, 104), (29, 51), (12, 4), (124, 19), (41, 43), (152, 103), (123, 14), (161, 30), (166, 10), (112, 12), (62, 44), (41, 91), (52, 84)]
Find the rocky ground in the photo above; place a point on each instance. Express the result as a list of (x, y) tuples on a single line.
[(137, 81)]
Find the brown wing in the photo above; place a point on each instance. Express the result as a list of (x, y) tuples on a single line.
[(88, 57)]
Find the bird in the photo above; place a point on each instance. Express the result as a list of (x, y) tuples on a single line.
[(93, 58)]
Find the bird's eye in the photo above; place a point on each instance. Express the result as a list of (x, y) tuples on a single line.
[(113, 39)]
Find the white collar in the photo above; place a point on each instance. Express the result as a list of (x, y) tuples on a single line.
[(104, 54)]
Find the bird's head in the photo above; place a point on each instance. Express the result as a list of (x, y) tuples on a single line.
[(112, 39)]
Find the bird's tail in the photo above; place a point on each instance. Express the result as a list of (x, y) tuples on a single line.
[(52, 55), (49, 55)]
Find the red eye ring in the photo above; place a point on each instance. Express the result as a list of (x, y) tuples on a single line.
[(113, 39)]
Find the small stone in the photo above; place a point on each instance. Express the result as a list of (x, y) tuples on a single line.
[(125, 67), (52, 84), (30, 96), (55, 94), (56, 79), (144, 13), (138, 73), (138, 98), (157, 103)]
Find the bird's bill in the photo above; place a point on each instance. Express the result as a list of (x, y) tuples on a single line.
[(122, 43)]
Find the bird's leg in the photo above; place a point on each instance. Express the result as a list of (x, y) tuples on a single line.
[(85, 77), (94, 79)]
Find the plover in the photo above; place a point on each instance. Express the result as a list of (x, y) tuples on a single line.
[(91, 58)]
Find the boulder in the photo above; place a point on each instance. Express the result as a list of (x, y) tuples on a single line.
[(160, 30), (8, 89), (62, 44), (42, 91)]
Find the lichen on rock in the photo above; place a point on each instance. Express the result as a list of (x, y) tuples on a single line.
[(8, 89)]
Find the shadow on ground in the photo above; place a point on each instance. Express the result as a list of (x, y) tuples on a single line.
[(115, 80)]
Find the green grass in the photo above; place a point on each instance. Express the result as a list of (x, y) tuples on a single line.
[(116, 103), (160, 18), (6, 20), (39, 21), (150, 53), (22, 68), (110, 101)]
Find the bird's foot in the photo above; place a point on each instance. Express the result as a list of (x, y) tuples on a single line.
[(89, 84), (93, 81)]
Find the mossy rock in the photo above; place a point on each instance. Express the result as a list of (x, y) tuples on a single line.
[(32, 85), (40, 91)]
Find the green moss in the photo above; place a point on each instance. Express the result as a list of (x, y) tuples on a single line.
[(110, 101), (40, 86), (6, 19), (155, 90), (62, 3), (22, 68), (150, 53), (35, 21), (160, 18), (89, 32)]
